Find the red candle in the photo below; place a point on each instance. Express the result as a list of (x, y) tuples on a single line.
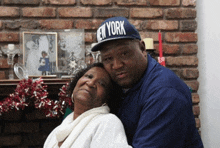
[(160, 45), (161, 59)]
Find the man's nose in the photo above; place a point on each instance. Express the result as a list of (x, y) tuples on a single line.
[(117, 64)]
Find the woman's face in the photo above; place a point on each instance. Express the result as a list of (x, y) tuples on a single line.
[(92, 88)]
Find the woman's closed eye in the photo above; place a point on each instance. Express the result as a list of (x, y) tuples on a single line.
[(90, 76), (102, 83)]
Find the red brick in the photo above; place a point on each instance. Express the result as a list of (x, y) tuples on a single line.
[(56, 24), (181, 37), (132, 2), (62, 2), (196, 110), (190, 73), (189, 49), (89, 37), (88, 24), (21, 2), (146, 12), (1, 24), (164, 2), (29, 127), (198, 124), (16, 24), (177, 71), (189, 3), (195, 98), (39, 12), (13, 140), (3, 62), (168, 49), (111, 12), (75, 12), (9, 12), (96, 2), (194, 84), (9, 37), (182, 61), (162, 25), (2, 73), (188, 25), (180, 13), (138, 24), (149, 35)]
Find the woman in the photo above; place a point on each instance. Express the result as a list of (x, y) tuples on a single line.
[(90, 125)]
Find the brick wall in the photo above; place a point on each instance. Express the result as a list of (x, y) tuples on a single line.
[(175, 18)]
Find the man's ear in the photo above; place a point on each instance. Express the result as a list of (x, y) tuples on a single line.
[(142, 46)]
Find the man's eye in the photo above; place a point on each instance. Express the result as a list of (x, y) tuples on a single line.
[(124, 53), (108, 59)]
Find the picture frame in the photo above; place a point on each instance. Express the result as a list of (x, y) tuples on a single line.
[(71, 48), (40, 52)]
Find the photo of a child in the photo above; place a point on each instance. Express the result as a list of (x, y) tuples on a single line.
[(39, 52), (44, 63)]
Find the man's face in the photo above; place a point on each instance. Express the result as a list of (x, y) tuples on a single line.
[(124, 60)]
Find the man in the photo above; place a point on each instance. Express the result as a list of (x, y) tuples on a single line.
[(156, 110)]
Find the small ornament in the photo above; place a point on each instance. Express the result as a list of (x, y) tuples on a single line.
[(72, 64)]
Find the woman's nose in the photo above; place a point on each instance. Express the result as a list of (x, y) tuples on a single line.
[(91, 83)]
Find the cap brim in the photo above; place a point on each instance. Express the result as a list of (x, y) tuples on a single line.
[(97, 46)]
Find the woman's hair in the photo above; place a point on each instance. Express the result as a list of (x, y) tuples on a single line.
[(114, 94)]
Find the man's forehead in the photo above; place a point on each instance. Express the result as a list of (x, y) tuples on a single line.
[(117, 44), (120, 42)]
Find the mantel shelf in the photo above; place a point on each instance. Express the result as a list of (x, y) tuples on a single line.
[(8, 86), (46, 81)]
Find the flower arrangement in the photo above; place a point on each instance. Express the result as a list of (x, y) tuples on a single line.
[(30, 92)]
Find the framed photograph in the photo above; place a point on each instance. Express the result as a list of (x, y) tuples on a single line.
[(71, 49), (39, 52)]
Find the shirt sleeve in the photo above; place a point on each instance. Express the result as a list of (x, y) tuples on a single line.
[(164, 120), (110, 134)]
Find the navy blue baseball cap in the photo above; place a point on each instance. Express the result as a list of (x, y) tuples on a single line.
[(115, 28)]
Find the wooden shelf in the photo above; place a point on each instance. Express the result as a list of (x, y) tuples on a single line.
[(53, 86)]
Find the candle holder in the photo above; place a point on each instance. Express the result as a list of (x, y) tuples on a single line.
[(149, 46), (96, 56), (11, 51), (88, 55)]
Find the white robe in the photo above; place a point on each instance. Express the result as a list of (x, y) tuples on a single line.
[(96, 128)]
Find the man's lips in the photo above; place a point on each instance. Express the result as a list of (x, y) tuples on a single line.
[(121, 75)]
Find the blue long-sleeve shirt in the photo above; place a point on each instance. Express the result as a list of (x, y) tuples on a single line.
[(157, 111)]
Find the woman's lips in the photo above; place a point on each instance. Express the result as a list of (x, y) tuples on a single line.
[(85, 90)]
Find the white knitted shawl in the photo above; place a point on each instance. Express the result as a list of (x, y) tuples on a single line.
[(65, 130)]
